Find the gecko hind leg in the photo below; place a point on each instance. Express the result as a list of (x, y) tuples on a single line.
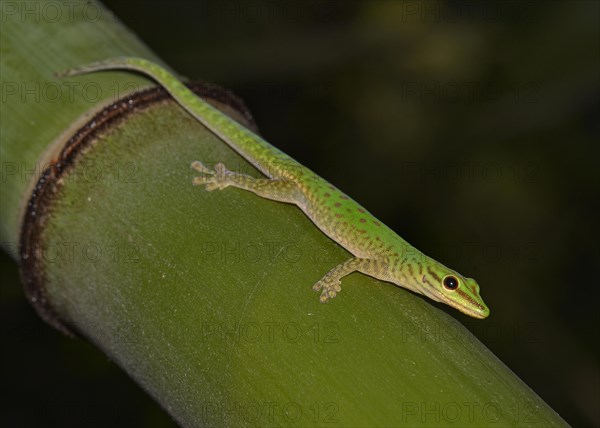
[(277, 189), (330, 284)]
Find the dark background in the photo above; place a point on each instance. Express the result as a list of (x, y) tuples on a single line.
[(470, 128)]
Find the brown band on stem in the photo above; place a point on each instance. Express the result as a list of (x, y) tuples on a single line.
[(39, 206)]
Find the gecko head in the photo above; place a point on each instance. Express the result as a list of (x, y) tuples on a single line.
[(447, 286)]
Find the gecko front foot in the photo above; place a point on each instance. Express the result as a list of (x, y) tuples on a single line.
[(329, 288), (212, 179), (331, 283)]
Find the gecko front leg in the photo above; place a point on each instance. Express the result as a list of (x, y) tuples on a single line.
[(330, 284), (276, 189), (212, 179)]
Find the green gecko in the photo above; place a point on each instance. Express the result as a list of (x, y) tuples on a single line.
[(377, 250)]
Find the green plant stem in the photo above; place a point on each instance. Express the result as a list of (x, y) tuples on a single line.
[(204, 298)]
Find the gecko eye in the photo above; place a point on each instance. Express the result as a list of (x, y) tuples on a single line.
[(450, 282)]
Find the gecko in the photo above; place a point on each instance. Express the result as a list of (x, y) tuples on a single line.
[(377, 251)]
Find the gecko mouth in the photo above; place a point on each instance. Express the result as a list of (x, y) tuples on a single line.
[(474, 309)]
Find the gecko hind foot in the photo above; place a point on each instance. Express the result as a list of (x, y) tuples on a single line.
[(213, 180), (328, 288)]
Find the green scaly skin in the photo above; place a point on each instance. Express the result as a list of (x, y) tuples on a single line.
[(378, 251)]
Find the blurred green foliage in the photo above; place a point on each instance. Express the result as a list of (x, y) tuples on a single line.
[(469, 128)]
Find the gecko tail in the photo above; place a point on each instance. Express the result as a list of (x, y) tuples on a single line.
[(249, 145)]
